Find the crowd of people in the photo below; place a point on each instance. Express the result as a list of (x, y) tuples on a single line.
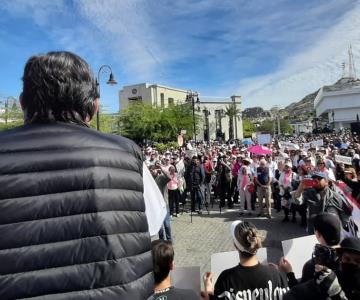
[(290, 178), (73, 223)]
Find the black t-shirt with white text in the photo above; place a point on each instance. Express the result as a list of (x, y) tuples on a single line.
[(256, 282)]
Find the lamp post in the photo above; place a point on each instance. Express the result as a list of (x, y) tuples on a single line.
[(193, 97), (111, 81), (206, 127)]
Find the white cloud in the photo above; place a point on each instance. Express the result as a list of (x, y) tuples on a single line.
[(307, 71)]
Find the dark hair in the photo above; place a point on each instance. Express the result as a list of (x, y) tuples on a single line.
[(163, 256), (58, 86), (329, 226), (248, 236)]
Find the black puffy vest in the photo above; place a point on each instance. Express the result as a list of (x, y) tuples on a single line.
[(72, 215)]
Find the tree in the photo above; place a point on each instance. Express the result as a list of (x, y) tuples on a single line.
[(108, 122), (248, 127), (232, 112), (141, 122), (11, 117), (267, 126)]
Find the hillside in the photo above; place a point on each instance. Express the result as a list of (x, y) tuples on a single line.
[(303, 109), (255, 112)]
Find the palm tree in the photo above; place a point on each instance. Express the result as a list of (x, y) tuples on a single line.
[(232, 112)]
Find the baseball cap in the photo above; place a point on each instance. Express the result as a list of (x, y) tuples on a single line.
[(329, 226), (351, 244)]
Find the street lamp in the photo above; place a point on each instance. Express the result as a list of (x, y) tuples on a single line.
[(206, 125), (103, 69), (193, 97)]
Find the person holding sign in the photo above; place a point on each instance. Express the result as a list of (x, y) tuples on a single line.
[(249, 279)]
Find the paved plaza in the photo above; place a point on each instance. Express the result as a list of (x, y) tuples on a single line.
[(207, 234)]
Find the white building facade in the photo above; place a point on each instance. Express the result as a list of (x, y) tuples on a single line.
[(302, 127), (215, 123), (340, 101)]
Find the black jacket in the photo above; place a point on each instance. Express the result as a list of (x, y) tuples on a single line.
[(72, 215)]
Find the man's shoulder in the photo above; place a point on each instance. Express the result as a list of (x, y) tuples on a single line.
[(67, 134)]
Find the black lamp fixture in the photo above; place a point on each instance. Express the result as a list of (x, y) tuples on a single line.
[(111, 81)]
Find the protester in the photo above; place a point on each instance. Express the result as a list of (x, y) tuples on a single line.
[(173, 192), (234, 191), (341, 284), (245, 185), (195, 176), (72, 208), (163, 261), (208, 168), (249, 277), (263, 180), (321, 198), (327, 228), (349, 271), (286, 181), (223, 170)]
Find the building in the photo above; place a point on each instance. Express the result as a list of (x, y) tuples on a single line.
[(302, 127), (216, 123), (154, 94), (340, 102)]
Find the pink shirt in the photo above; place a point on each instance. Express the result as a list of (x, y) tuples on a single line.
[(173, 184)]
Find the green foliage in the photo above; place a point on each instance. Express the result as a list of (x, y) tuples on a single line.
[(268, 126), (285, 126), (11, 118), (248, 128), (109, 123), (141, 122), (232, 112)]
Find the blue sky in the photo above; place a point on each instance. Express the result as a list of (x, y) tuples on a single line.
[(269, 52)]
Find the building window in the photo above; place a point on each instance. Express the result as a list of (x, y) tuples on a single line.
[(135, 99), (162, 100), (171, 101)]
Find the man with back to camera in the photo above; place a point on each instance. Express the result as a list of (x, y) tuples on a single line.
[(72, 213)]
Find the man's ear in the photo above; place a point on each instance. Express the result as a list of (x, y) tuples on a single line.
[(97, 106), (172, 266)]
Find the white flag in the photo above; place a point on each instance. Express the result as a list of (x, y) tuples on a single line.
[(155, 207)]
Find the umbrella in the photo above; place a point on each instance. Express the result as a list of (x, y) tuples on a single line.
[(260, 150)]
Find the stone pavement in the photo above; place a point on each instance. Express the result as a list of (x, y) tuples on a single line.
[(207, 234)]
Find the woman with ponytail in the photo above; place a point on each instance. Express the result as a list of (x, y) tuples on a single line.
[(249, 279)]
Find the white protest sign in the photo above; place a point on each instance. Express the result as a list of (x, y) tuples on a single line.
[(298, 251), (313, 144), (155, 207), (226, 260), (264, 139), (191, 153), (187, 278), (343, 159), (288, 145)]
